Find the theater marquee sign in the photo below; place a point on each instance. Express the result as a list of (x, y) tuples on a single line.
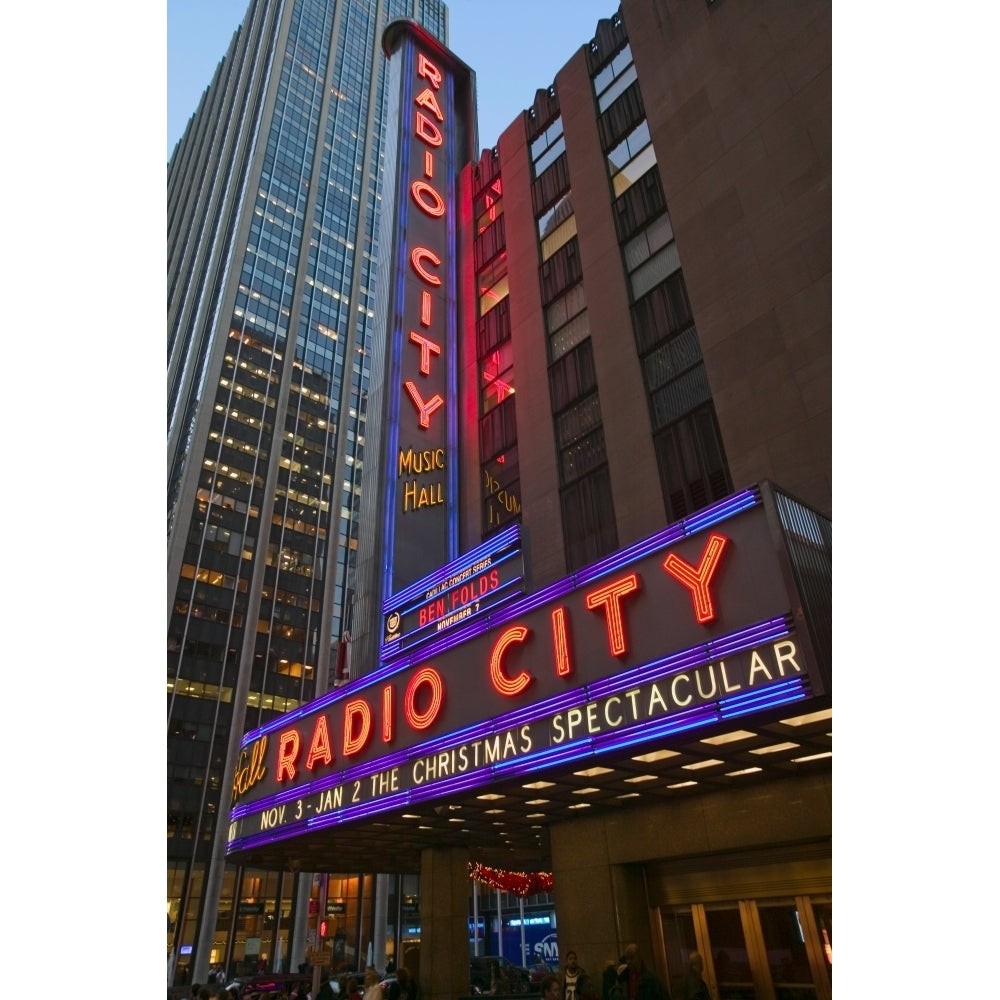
[(692, 625)]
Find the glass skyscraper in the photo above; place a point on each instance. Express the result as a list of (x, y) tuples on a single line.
[(273, 212)]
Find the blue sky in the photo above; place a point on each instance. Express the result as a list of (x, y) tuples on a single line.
[(510, 64)]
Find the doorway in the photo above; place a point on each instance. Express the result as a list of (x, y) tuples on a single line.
[(777, 948)]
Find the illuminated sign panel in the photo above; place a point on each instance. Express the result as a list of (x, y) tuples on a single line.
[(483, 578), (688, 627), (421, 528)]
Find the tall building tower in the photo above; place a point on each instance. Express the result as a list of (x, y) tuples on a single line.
[(273, 212)]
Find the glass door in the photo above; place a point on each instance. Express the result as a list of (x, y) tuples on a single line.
[(763, 949)]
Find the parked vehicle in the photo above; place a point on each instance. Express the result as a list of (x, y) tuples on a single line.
[(272, 982), (537, 972), (496, 974)]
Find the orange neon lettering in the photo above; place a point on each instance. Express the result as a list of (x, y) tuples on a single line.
[(387, 714), (425, 129), (609, 597), (427, 348), (425, 308), (320, 749), (288, 750), (428, 70), (426, 99), (356, 710), (428, 163), (424, 409), (560, 643), (503, 684), (417, 257), (427, 198), (424, 676), (697, 580)]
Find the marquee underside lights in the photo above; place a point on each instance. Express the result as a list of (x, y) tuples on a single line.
[(674, 634)]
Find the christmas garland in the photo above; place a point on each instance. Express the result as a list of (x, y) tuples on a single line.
[(519, 883)]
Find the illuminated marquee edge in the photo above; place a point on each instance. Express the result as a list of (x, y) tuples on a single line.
[(769, 695)]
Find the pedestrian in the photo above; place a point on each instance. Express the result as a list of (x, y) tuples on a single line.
[(693, 986), (372, 989), (610, 989), (326, 988), (637, 982), (570, 976), (585, 988), (551, 988), (403, 988)]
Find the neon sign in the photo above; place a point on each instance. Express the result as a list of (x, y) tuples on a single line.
[(677, 632), (422, 474)]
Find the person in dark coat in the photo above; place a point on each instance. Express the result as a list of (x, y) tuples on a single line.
[(693, 986), (325, 991), (637, 982)]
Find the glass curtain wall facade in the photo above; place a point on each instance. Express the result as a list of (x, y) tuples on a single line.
[(272, 251)]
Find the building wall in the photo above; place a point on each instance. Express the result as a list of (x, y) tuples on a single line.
[(739, 103)]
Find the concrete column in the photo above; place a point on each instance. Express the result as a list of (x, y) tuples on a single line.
[(443, 965)]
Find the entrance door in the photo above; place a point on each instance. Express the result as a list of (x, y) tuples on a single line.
[(762, 949)]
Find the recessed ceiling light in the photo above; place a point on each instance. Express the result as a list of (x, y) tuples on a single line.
[(815, 756), (698, 764), (628, 795), (649, 758), (740, 734), (425, 828), (592, 772), (580, 805), (775, 748), (640, 777), (804, 720), (537, 802), (683, 784), (489, 795), (540, 784), (498, 822), (493, 812), (746, 770), (537, 826), (585, 791), (410, 816), (455, 819), (535, 816)]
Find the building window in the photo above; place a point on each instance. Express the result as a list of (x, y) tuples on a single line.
[(692, 463)]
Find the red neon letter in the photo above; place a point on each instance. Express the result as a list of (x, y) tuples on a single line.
[(319, 749), (560, 643), (387, 714), (610, 596), (426, 129), (417, 257), (427, 198), (697, 580), (423, 409), (288, 750), (503, 684), (425, 308), (360, 710), (429, 676), (427, 348), (426, 99), (428, 70)]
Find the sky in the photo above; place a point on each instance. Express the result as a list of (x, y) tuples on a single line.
[(199, 32)]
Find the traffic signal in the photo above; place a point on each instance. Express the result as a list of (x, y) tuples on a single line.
[(324, 927)]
